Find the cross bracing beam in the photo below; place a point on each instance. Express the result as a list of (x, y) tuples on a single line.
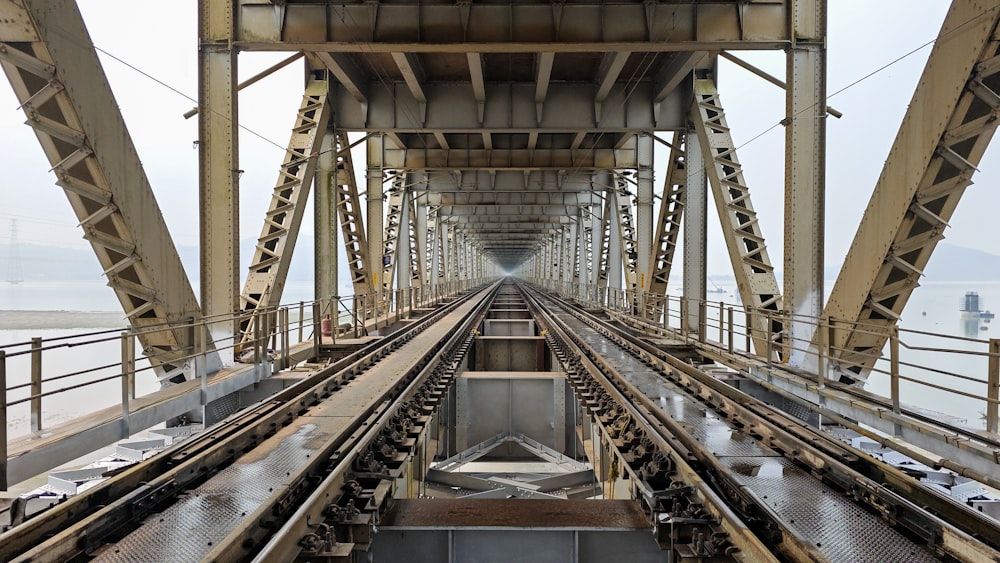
[(68, 102), (668, 228), (752, 266), (351, 216), (273, 254), (535, 181), (382, 27), (512, 198), (498, 209), (345, 70), (945, 131), (452, 109), (414, 157)]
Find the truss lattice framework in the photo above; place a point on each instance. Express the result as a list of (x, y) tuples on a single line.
[(273, 255), (626, 224), (604, 246), (668, 228), (393, 229), (351, 216), (68, 102), (908, 211), (754, 273), (416, 249)]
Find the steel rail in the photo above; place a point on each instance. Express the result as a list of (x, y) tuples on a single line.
[(79, 522), (744, 535), (286, 544), (720, 354), (817, 452), (904, 484)]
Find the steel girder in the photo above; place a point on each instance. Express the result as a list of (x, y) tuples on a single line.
[(668, 226), (61, 86), (945, 131), (273, 253), (594, 26), (752, 266), (350, 215), (604, 243), (805, 177), (218, 169)]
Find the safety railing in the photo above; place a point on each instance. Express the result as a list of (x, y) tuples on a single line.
[(42, 377), (938, 372)]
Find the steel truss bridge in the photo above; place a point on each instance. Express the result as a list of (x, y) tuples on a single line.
[(510, 348)]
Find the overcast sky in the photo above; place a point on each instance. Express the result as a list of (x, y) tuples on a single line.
[(863, 36)]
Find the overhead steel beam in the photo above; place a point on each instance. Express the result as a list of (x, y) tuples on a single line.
[(531, 181), (945, 131), (511, 198), (451, 108), (541, 159), (498, 27), (413, 75), (500, 209), (543, 73), (672, 73), (46, 53), (607, 75), (752, 266), (346, 72), (477, 75), (273, 254)]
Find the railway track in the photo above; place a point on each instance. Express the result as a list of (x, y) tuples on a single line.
[(222, 495), (805, 494), (307, 474)]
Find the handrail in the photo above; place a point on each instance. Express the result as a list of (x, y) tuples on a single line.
[(278, 329), (728, 322)]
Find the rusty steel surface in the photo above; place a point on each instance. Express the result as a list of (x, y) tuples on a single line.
[(515, 513)]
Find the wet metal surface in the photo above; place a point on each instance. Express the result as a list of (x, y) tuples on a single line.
[(195, 524), (840, 529)]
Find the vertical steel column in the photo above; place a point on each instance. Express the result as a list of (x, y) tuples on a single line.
[(325, 211), (596, 234), (615, 264), (695, 232), (420, 226), (805, 173), (375, 149), (403, 250), (644, 210), (218, 157)]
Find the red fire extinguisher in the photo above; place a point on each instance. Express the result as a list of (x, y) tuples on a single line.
[(326, 325)]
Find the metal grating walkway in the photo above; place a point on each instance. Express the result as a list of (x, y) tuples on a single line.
[(840, 529)]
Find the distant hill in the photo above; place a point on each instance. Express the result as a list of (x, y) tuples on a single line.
[(951, 263), (59, 263)]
